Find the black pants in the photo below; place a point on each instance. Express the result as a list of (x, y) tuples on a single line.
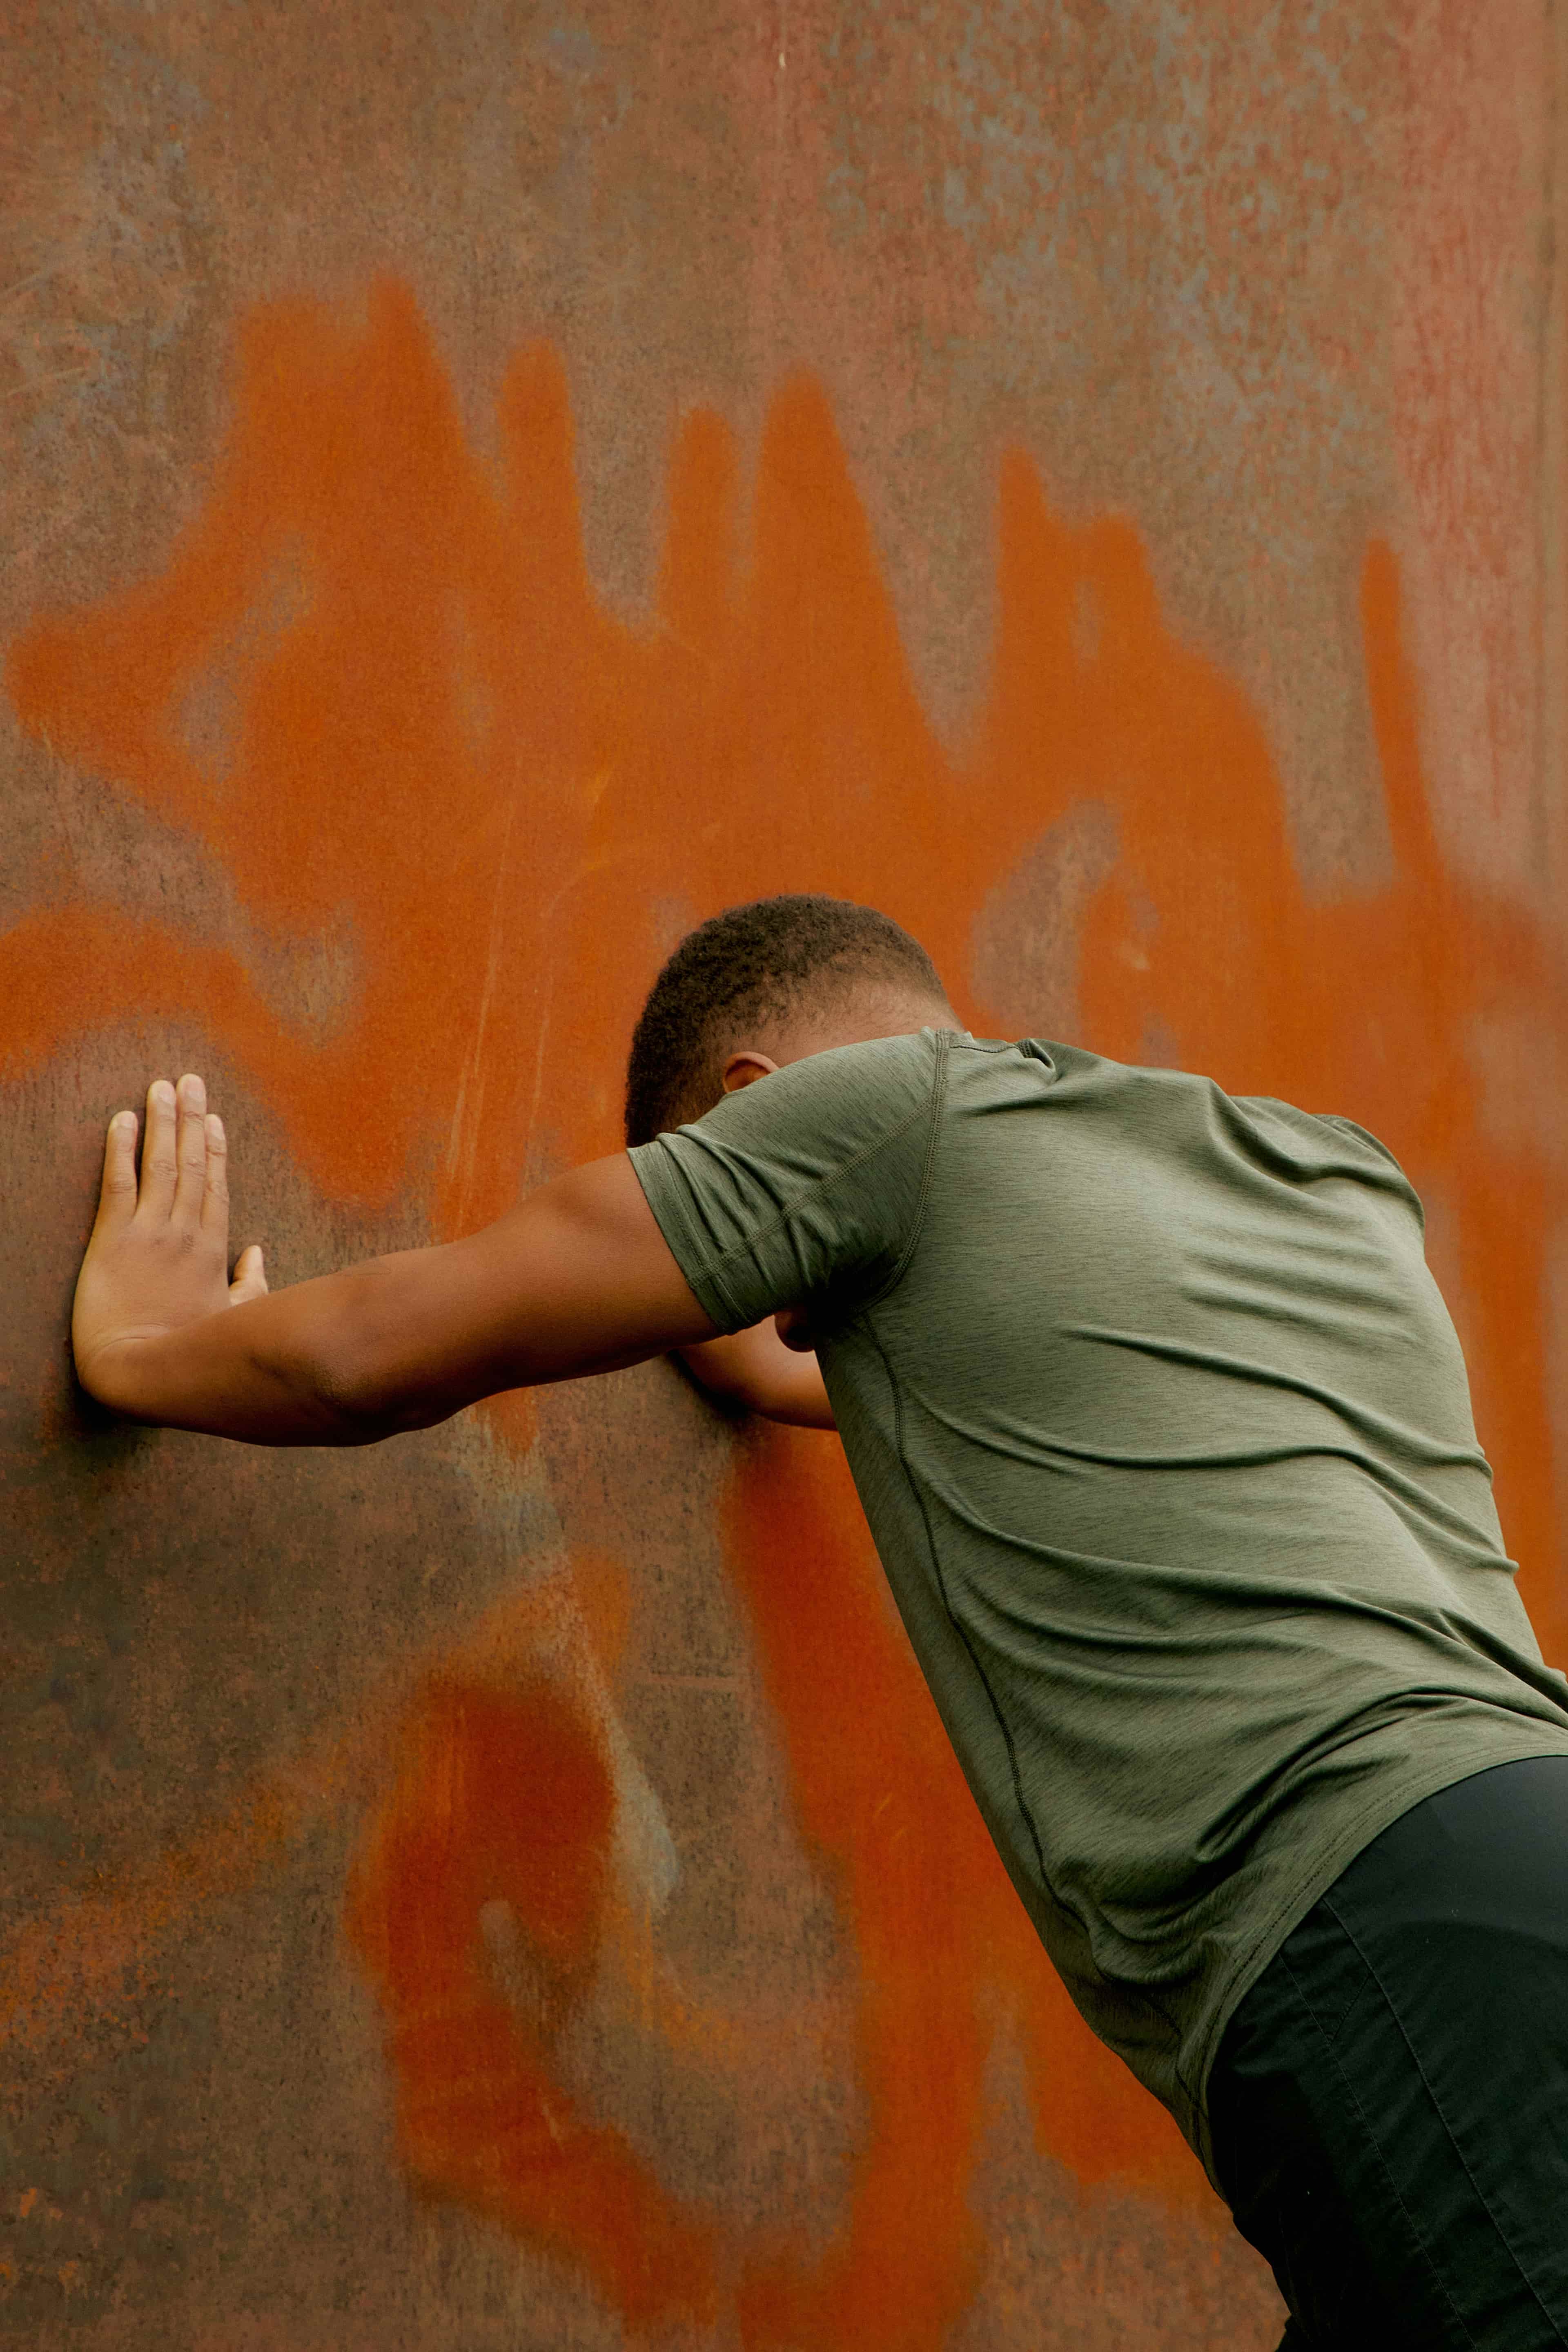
[(1390, 2103)]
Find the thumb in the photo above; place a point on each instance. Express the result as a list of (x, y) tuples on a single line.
[(249, 1276)]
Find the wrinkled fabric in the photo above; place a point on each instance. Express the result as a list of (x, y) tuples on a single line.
[(1164, 1437)]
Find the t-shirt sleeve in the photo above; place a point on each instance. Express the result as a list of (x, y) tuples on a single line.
[(804, 1189)]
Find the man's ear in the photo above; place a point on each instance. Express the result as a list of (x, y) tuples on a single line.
[(745, 1069)]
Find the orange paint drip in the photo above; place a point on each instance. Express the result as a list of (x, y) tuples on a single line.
[(437, 737), (501, 1812)]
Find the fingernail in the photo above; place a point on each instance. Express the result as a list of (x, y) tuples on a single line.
[(123, 1118), (162, 1091), (216, 1124)]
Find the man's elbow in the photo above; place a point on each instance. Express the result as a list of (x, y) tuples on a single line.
[(360, 1400), (354, 1377), (752, 1372), (349, 1409), (711, 1367)]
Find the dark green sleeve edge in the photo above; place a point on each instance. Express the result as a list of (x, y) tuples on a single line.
[(661, 1184)]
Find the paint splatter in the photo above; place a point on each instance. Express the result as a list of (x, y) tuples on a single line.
[(376, 680)]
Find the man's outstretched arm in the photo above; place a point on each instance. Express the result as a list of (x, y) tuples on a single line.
[(577, 1279)]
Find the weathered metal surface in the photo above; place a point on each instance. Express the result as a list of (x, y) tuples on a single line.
[(485, 486)]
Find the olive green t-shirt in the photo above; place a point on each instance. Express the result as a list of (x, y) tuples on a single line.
[(1165, 1438)]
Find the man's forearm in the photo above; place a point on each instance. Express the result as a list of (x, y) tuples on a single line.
[(278, 1371), (393, 1344)]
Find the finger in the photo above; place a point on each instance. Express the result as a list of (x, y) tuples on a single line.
[(191, 1150), (214, 1198), (249, 1276), (159, 1165), (117, 1194)]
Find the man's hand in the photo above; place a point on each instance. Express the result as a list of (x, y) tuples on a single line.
[(158, 1258)]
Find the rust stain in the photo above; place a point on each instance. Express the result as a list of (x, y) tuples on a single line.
[(91, 1956), (439, 743)]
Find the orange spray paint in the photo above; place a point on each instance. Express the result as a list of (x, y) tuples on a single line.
[(501, 1810), (438, 737)]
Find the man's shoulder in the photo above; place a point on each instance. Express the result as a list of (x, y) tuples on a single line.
[(851, 1095)]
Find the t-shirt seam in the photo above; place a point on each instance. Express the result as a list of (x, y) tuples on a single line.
[(1002, 1724), (1353, 1127), (917, 1223), (710, 1268), (814, 1191), (669, 1204)]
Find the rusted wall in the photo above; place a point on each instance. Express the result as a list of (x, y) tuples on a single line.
[(483, 487)]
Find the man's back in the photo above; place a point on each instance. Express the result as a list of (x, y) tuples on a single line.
[(1163, 1434)]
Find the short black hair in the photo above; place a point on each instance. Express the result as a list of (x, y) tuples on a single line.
[(750, 965)]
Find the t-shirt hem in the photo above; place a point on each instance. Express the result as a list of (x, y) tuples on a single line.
[(687, 1247), (1392, 1804)]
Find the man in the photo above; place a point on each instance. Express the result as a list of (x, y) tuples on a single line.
[(1163, 1434)]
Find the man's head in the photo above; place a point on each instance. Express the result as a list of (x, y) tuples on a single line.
[(761, 985)]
